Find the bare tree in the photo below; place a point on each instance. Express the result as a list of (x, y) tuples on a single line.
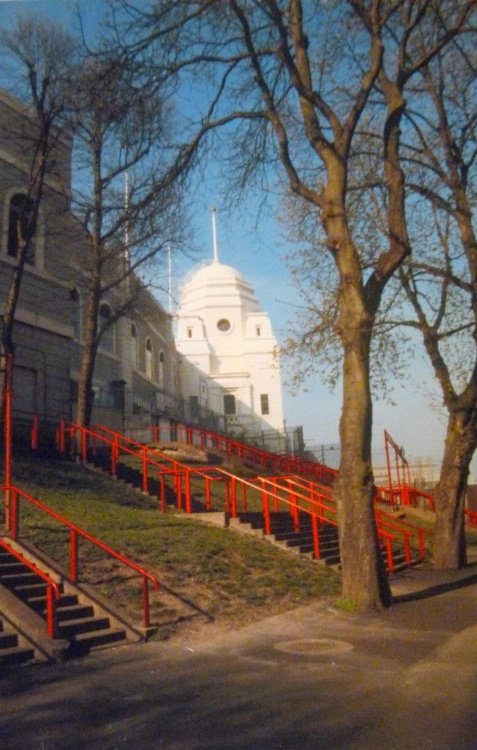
[(439, 157), (121, 126), (295, 80), (43, 55), (442, 283), (120, 131)]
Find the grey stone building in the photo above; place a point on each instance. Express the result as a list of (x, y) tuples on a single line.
[(136, 371)]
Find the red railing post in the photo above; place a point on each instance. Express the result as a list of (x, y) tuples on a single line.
[(187, 491), (145, 598), (34, 435), (51, 612), (84, 445), (208, 496), (316, 536), (178, 489), (114, 457), (73, 555), (13, 520), (295, 514), (162, 491), (266, 509), (233, 497), (145, 485)]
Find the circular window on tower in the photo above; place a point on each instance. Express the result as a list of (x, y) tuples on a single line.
[(223, 325)]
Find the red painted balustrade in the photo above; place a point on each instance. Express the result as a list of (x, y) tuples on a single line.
[(18, 498)]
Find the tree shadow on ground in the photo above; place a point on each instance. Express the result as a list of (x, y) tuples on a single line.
[(439, 588)]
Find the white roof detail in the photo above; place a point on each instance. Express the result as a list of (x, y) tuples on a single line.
[(217, 285)]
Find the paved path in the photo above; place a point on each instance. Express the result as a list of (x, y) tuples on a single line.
[(313, 679)]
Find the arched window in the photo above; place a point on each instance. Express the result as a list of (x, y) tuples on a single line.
[(76, 313), (149, 363), (161, 368), (133, 345), (21, 226), (107, 327)]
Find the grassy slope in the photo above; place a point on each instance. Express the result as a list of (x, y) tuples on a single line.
[(229, 576)]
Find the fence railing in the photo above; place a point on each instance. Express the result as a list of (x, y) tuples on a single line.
[(52, 587), (298, 495), (319, 503), (16, 495), (256, 457), (150, 461), (405, 494)]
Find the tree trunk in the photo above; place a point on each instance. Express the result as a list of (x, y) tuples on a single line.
[(449, 534), (90, 344), (364, 578)]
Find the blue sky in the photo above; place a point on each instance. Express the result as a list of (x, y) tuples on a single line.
[(255, 247)]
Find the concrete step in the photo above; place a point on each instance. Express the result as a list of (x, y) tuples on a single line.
[(84, 642), (11, 651), (31, 590), (16, 655), (7, 640), (38, 603), (72, 628), (19, 580), (9, 567), (74, 612)]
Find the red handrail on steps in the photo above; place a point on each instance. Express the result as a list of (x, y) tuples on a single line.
[(388, 529), (318, 510), (52, 591), (207, 438), (75, 531), (164, 464)]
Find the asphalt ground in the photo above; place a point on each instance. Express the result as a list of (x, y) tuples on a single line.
[(313, 678)]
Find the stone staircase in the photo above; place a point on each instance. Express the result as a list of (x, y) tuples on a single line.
[(82, 624), (283, 534), (13, 650)]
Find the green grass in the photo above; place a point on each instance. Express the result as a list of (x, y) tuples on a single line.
[(229, 576)]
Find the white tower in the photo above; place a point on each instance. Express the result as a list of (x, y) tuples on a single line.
[(229, 356)]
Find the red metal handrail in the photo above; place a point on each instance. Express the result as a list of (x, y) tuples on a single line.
[(319, 495), (75, 532), (471, 517), (52, 591), (386, 520), (231, 446), (164, 465), (386, 525), (404, 494)]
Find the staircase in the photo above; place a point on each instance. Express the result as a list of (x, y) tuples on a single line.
[(282, 531), (12, 652), (283, 534), (80, 625)]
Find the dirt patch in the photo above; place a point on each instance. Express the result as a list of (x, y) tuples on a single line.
[(184, 453)]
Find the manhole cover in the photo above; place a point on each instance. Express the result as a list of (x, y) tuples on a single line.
[(314, 646)]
